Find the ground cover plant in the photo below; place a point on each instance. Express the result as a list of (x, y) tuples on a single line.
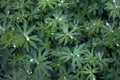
[(59, 39)]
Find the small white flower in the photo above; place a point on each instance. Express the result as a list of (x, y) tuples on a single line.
[(107, 23), (99, 55), (17, 18), (78, 55), (65, 78), (8, 12), (29, 72), (14, 45), (59, 4), (94, 78), (94, 24), (52, 33), (112, 31), (58, 64), (87, 28), (56, 17), (27, 38), (71, 37), (47, 0), (60, 19), (62, 1), (31, 60), (13, 29), (37, 62), (117, 45), (114, 39), (72, 54), (114, 1)]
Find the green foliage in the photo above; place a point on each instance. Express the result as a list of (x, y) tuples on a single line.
[(59, 40)]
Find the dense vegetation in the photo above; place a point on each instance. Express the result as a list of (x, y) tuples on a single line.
[(59, 39)]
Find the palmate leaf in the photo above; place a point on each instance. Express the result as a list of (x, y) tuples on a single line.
[(113, 9), (90, 72), (45, 44), (28, 39), (44, 4), (20, 5), (6, 4), (17, 60), (17, 75), (94, 27), (78, 39), (6, 16), (93, 8), (56, 20), (11, 38), (66, 35), (18, 40), (113, 73), (7, 39), (76, 57), (43, 65), (102, 61), (33, 14)]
